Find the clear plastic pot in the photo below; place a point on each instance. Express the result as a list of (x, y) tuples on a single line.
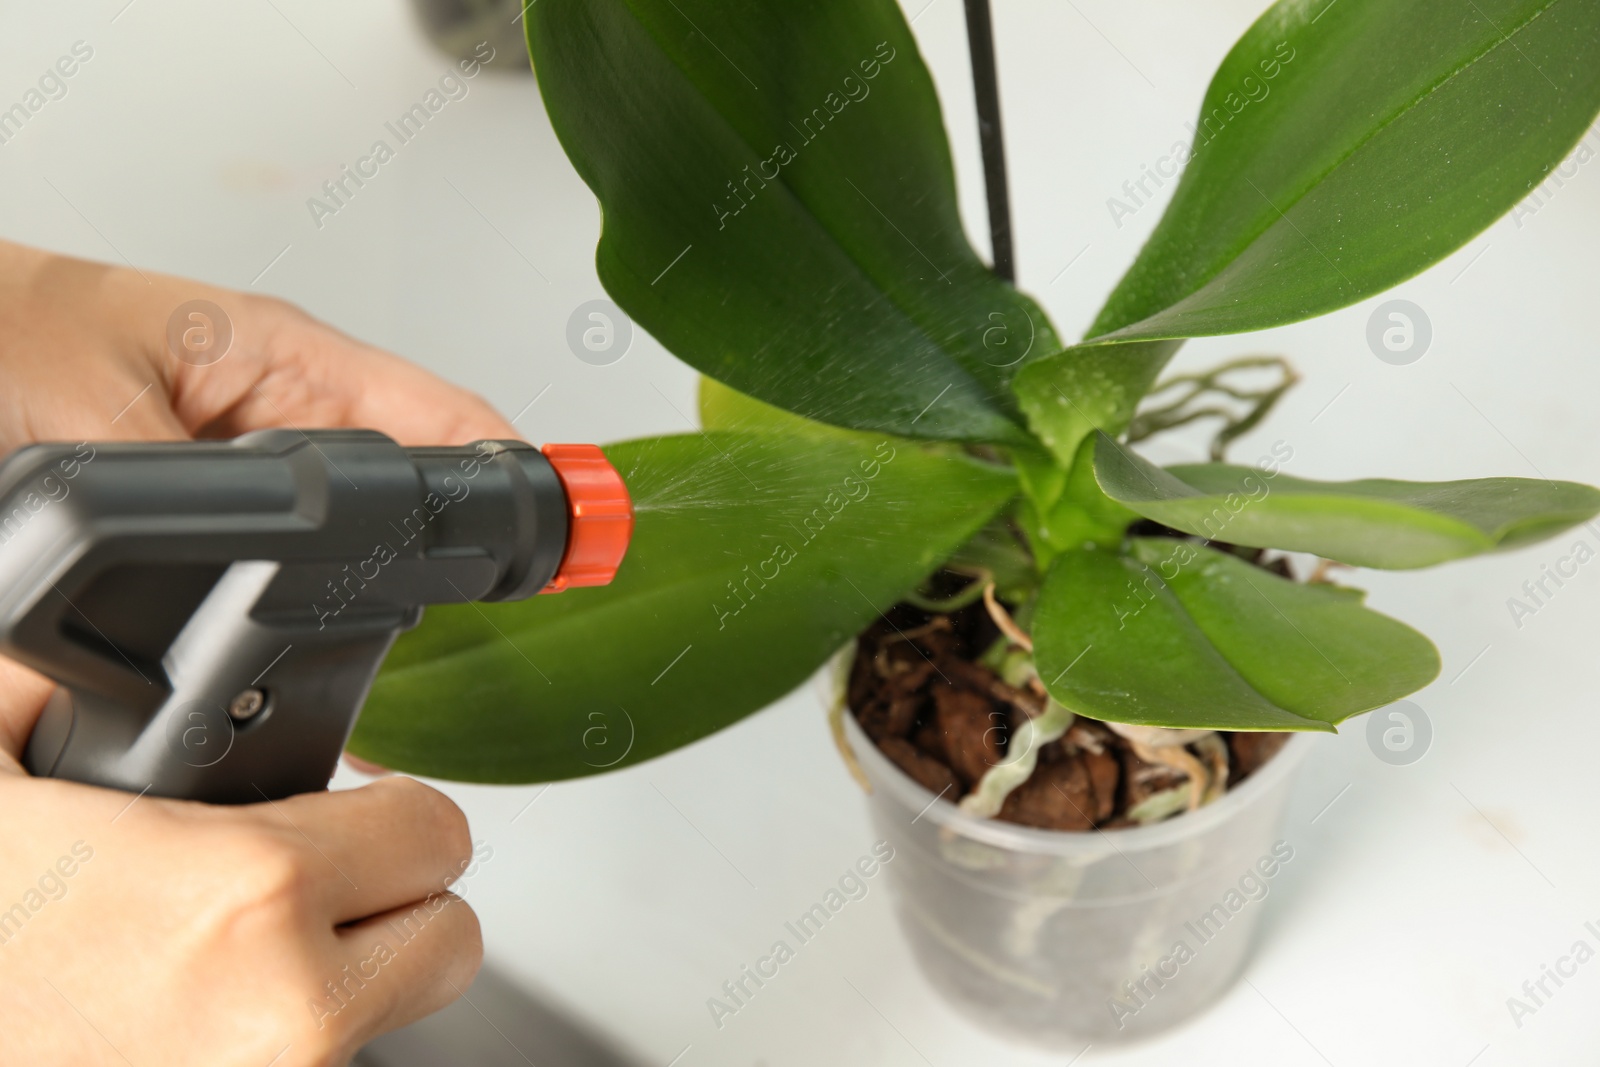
[(1056, 939)]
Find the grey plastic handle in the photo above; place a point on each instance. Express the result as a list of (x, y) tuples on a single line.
[(214, 612)]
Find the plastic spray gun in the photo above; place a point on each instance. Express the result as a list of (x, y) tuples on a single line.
[(214, 612)]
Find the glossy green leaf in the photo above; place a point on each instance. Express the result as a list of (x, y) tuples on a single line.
[(1343, 147), (1179, 635), (722, 408), (1068, 395), (755, 556), (779, 207), (1339, 150), (1374, 522)]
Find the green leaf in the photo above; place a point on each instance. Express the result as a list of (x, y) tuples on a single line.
[(1183, 636), (995, 549), (1340, 150), (755, 556), (1068, 395), (779, 207), (1344, 147), (722, 408), (1374, 522)]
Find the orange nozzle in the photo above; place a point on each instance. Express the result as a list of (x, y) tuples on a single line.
[(599, 516)]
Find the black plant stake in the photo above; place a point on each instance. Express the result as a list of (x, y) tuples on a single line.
[(980, 42)]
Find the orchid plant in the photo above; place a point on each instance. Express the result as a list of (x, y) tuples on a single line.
[(780, 212)]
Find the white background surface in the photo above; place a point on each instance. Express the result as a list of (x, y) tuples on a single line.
[(1417, 903)]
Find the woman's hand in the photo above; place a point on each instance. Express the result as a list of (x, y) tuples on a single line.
[(150, 931), (84, 355)]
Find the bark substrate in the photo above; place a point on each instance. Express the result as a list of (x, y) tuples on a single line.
[(944, 719)]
